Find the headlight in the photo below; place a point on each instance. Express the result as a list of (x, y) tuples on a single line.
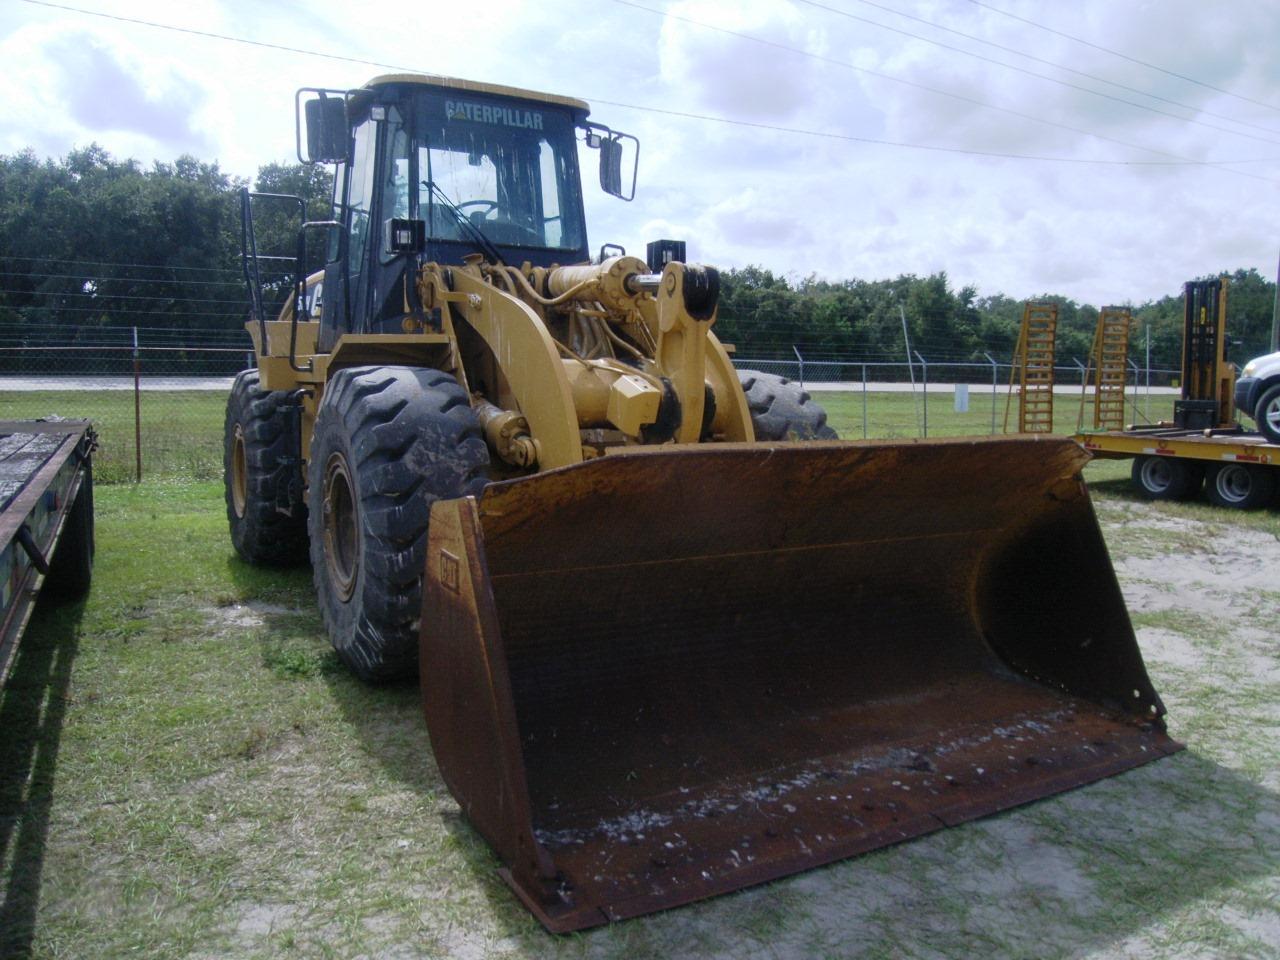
[(1250, 368)]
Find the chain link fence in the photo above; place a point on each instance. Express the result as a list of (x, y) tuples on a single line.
[(158, 397)]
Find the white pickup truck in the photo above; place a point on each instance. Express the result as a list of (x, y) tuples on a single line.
[(1258, 394)]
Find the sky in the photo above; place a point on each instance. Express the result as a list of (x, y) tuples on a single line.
[(1103, 150)]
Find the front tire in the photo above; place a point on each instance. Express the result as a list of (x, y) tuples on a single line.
[(1164, 478), (1240, 486), (782, 410), (388, 442), (1267, 414), (260, 473)]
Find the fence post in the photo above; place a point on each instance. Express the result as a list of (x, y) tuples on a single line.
[(924, 389), (1136, 373), (796, 350), (1147, 413), (995, 373), (137, 408), (864, 401), (911, 370)]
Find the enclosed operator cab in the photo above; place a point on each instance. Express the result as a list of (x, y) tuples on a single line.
[(435, 170)]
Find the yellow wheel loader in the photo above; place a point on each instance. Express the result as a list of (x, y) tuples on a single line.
[(673, 637)]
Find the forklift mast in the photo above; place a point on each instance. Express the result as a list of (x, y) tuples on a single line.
[(1208, 380)]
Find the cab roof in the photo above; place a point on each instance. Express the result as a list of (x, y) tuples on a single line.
[(474, 86)]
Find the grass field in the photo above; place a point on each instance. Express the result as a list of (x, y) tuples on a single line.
[(186, 771), (182, 430)]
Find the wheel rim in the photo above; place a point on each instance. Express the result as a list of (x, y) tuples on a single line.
[(341, 536), (1156, 475), (239, 473), (1233, 484), (1272, 414)]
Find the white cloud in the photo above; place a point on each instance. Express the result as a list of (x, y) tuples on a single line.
[(738, 193)]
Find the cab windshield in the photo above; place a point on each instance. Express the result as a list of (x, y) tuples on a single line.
[(507, 166)]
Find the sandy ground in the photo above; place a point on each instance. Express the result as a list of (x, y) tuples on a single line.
[(1056, 878), (333, 835)]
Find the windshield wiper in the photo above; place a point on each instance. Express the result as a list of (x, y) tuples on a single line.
[(477, 235)]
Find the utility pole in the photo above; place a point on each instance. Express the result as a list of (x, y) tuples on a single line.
[(1275, 313)]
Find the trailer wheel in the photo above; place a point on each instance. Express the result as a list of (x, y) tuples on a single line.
[(71, 571), (1267, 414), (388, 442), (1241, 486), (1163, 478), (260, 474), (782, 410)]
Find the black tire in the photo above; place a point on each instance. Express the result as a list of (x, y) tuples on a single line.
[(1267, 414), (260, 474), (782, 410), (1240, 486), (1165, 478), (71, 571), (388, 443)]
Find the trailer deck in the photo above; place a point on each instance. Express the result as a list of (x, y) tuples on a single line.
[(1167, 440), (46, 519)]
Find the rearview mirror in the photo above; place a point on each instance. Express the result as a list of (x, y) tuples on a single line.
[(614, 148), (327, 132)]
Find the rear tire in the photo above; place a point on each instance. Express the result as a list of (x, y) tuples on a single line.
[(388, 442), (257, 465), (782, 410), (1267, 414), (1164, 478), (1240, 486)]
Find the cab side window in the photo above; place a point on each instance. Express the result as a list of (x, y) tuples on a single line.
[(360, 196)]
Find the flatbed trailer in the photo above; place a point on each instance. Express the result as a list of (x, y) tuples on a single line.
[(46, 519), (1236, 467)]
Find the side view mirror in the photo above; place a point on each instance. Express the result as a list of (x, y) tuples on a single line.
[(613, 147), (325, 120)]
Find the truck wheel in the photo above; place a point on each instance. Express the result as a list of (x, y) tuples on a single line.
[(388, 442), (782, 410), (1267, 414), (71, 570), (1163, 478), (1241, 486), (259, 471)]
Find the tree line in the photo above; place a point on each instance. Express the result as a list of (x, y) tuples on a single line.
[(89, 241)]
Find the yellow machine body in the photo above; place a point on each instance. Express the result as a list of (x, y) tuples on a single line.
[(662, 654)]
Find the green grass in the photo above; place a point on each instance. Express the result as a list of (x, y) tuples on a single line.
[(894, 415), (181, 430), (186, 771)]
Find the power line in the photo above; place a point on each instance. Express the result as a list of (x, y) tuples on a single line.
[(116, 296), (910, 83), (1123, 56), (97, 278), (674, 113), (1029, 73), (1174, 159), (826, 134), (1060, 66), (118, 263), (123, 313)]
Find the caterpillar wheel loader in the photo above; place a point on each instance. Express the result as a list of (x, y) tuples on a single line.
[(673, 637)]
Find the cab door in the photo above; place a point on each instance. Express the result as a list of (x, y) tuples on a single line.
[(346, 275)]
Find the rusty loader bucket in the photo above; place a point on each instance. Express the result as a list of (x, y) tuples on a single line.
[(669, 673)]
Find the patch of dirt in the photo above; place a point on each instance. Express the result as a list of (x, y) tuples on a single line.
[(247, 615)]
